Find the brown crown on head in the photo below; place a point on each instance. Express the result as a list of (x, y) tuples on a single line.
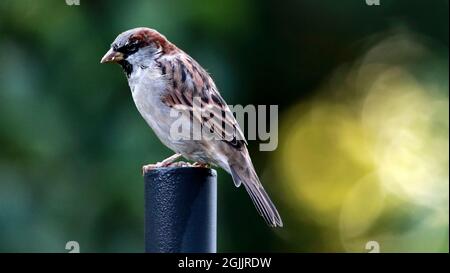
[(148, 36)]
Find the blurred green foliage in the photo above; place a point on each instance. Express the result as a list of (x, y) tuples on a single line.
[(72, 143)]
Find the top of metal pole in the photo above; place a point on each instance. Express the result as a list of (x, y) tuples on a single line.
[(180, 210)]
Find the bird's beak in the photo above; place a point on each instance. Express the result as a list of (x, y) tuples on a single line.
[(112, 57)]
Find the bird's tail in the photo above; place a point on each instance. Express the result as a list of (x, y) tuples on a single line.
[(245, 174)]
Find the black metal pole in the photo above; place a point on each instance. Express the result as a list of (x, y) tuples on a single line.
[(180, 210)]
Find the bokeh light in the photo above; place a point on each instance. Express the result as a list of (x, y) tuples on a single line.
[(368, 157)]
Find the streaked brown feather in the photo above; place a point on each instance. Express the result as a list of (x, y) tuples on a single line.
[(196, 83)]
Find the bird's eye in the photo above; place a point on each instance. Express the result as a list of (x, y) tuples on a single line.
[(129, 48)]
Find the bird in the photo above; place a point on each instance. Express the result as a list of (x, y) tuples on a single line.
[(162, 78)]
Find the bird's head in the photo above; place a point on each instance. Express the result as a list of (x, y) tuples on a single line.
[(137, 47)]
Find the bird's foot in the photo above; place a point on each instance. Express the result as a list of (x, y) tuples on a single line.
[(170, 163), (200, 165), (149, 167)]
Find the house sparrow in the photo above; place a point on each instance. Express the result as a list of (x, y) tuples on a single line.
[(163, 77)]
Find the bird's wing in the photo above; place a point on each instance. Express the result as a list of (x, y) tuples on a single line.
[(189, 84)]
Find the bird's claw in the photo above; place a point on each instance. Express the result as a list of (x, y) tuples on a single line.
[(200, 165), (149, 167)]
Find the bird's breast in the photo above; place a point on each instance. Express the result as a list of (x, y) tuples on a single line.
[(147, 86)]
